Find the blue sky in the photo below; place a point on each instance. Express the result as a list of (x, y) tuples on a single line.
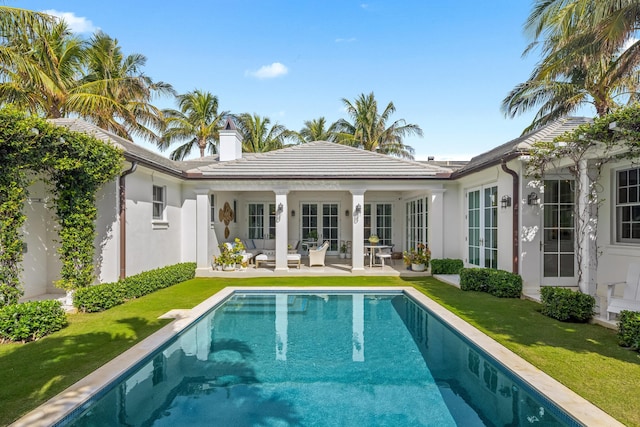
[(445, 65)]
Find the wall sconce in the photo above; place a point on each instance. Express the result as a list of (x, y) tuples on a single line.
[(293, 212), (532, 199), (505, 202), (358, 209), (279, 212), (346, 213)]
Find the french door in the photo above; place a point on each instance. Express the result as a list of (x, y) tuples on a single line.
[(482, 227), (558, 235), (323, 219)]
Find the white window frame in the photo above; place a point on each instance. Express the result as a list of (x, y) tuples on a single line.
[(268, 220), (416, 222), (159, 221), (627, 198), (376, 224), (212, 209)]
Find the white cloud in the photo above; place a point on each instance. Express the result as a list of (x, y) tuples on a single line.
[(269, 71), (349, 40), (77, 24)]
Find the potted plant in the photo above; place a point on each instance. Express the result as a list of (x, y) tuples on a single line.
[(374, 239), (230, 255), (343, 250), (418, 258)]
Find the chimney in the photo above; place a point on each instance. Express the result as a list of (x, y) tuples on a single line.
[(230, 142)]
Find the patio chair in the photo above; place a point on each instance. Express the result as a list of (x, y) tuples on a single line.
[(384, 254), (630, 298), (316, 256)]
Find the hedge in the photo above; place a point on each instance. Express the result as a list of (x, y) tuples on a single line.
[(499, 283), (446, 266), (629, 329), (104, 296), (567, 305), (30, 321)]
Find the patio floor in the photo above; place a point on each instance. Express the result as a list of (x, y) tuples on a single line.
[(334, 266)]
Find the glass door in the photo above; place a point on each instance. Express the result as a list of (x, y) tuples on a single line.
[(320, 221), (558, 244), (482, 227)]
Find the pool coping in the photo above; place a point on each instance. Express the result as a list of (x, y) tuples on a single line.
[(70, 400)]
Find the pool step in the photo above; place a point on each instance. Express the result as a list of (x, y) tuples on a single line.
[(259, 304)]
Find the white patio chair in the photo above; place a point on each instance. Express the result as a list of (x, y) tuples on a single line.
[(630, 298), (384, 254), (316, 256)]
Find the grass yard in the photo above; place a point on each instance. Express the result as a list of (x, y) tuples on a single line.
[(586, 358)]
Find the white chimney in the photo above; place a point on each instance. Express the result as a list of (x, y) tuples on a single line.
[(230, 142)]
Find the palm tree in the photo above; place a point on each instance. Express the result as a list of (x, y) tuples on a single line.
[(48, 71), (369, 129), (258, 136), (125, 92), (316, 130), (581, 42), (198, 122)]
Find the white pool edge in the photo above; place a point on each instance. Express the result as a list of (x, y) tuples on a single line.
[(71, 399)]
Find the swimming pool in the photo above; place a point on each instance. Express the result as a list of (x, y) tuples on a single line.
[(322, 357)]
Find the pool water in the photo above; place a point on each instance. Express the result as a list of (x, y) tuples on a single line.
[(305, 359)]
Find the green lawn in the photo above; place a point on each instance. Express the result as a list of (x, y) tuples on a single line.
[(586, 358)]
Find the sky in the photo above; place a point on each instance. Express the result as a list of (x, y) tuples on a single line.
[(446, 66)]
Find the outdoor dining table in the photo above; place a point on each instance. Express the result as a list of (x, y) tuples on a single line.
[(372, 249)]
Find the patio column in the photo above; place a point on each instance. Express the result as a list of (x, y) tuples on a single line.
[(357, 209), (585, 230), (282, 229), (436, 224), (282, 323), (202, 229)]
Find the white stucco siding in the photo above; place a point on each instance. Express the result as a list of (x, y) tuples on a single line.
[(614, 257), (107, 259), (40, 261), (489, 177), (452, 220), (152, 243), (530, 233)]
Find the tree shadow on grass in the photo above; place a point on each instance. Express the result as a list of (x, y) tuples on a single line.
[(34, 372)]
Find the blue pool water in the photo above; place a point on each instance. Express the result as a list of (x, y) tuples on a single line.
[(319, 360)]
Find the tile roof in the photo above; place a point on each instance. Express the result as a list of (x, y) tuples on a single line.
[(132, 151), (320, 160), (522, 144), (313, 160)]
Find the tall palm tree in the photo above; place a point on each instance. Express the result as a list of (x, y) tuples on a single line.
[(369, 129), (581, 42), (258, 136), (118, 78), (50, 72), (316, 130), (197, 122)]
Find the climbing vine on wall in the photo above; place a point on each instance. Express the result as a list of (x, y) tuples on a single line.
[(75, 166)]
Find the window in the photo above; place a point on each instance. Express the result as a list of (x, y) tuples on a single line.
[(212, 206), (377, 220), (158, 202), (262, 220), (628, 206)]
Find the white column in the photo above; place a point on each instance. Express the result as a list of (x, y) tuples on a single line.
[(436, 224), (585, 229), (357, 216), (282, 323), (358, 328), (282, 229), (202, 230)]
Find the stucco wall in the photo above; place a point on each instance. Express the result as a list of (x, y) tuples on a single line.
[(152, 244)]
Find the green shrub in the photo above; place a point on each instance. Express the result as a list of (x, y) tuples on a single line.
[(474, 279), (31, 320), (446, 266), (629, 329), (566, 305), (104, 296), (9, 294), (503, 284), (498, 283)]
